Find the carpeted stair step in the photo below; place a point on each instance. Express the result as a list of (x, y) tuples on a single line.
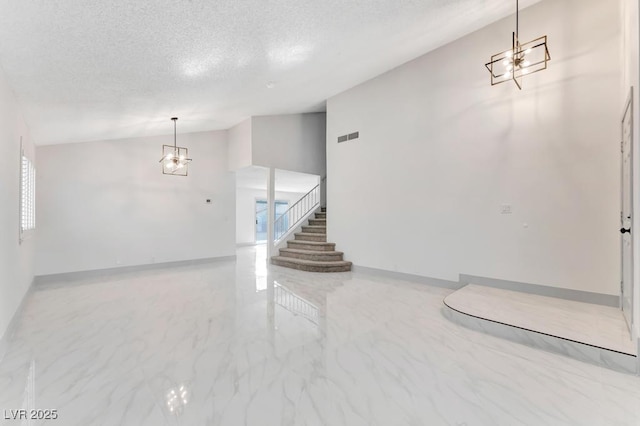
[(314, 229), (310, 251), (318, 256), (311, 245), (307, 236), (310, 265)]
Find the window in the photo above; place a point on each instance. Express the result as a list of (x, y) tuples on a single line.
[(27, 196)]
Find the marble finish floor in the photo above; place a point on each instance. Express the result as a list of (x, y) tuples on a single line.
[(243, 343), (596, 325)]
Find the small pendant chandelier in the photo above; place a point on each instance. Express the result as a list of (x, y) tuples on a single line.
[(521, 60), (175, 159)]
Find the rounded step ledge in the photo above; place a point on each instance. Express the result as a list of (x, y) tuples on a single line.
[(608, 358), (311, 245), (310, 265), (318, 256)]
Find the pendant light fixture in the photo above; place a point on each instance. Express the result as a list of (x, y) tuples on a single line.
[(521, 60), (175, 159)]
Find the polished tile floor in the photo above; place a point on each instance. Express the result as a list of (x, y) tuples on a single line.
[(237, 343), (596, 325)]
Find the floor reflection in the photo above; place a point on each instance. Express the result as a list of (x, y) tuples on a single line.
[(261, 267), (245, 343), (295, 304), (177, 398)]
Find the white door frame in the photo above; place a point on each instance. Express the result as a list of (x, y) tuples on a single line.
[(628, 114)]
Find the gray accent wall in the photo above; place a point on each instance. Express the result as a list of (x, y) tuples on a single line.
[(294, 142)]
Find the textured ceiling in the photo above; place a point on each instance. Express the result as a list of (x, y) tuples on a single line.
[(94, 69)]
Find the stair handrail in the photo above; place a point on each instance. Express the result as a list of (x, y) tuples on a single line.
[(296, 213)]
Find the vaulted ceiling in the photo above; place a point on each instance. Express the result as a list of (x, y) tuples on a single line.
[(92, 69)]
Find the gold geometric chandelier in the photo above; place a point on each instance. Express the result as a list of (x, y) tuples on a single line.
[(521, 60), (175, 159)]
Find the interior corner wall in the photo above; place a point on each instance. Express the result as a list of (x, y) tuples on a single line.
[(631, 78), (295, 142), (240, 146), (16, 260), (106, 204), (441, 151), (246, 210)]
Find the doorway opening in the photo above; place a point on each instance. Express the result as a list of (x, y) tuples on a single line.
[(262, 217), (626, 207)]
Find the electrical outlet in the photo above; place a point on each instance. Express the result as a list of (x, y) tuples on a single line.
[(505, 209)]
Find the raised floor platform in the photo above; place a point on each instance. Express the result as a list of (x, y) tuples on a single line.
[(592, 333)]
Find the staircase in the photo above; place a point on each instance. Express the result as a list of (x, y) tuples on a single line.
[(310, 251)]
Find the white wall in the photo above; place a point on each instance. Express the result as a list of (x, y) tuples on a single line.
[(16, 260), (440, 151), (631, 77), (246, 207), (240, 146), (294, 142), (107, 204)]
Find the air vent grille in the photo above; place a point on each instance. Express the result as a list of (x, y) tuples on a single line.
[(349, 137)]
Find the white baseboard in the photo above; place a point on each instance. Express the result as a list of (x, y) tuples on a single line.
[(79, 275), (542, 290), (408, 277)]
